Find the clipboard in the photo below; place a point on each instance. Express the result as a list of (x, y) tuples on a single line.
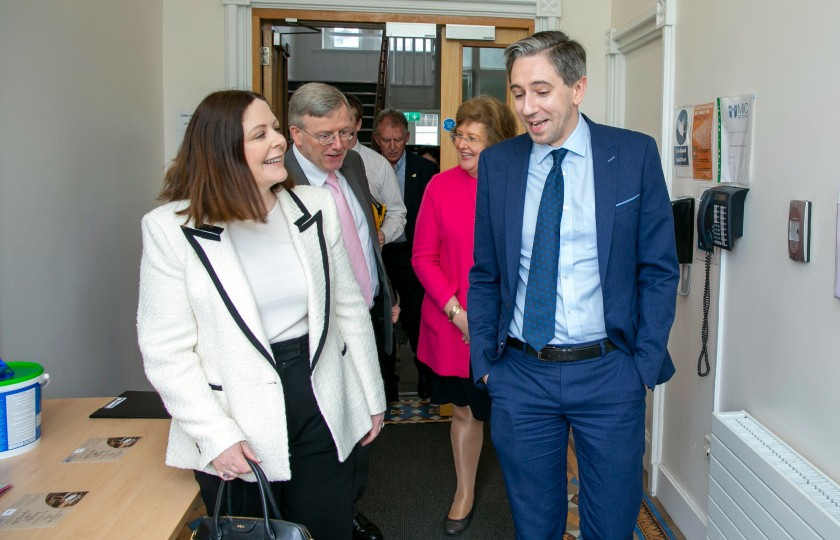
[(133, 404)]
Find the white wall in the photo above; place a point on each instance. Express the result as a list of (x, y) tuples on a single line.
[(779, 345), (80, 157), (624, 11), (588, 21), (193, 60)]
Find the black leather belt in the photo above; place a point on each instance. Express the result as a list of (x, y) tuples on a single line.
[(573, 353)]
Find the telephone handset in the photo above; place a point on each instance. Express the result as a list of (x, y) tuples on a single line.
[(720, 217), (683, 209), (720, 220)]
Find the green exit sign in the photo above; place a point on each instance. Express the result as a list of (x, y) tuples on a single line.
[(412, 116)]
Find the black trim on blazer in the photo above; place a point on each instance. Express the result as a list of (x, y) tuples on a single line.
[(303, 223), (191, 234), (208, 232)]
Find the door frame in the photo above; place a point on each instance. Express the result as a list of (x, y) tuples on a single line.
[(451, 58), (657, 22), (452, 67), (239, 46)]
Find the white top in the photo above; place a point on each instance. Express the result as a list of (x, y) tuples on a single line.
[(384, 188), (275, 274)]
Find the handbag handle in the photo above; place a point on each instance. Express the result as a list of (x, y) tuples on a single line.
[(266, 496)]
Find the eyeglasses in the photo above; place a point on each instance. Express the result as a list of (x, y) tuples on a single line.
[(455, 136), (326, 139)]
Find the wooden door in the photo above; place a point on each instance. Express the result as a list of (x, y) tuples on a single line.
[(452, 74), (451, 68), (273, 76)]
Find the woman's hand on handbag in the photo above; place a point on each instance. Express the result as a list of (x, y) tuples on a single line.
[(378, 423), (231, 463)]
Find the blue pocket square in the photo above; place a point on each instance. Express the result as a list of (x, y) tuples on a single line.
[(631, 199)]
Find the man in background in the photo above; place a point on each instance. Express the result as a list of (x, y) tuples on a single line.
[(381, 180), (390, 130)]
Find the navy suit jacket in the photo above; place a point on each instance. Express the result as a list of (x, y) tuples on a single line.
[(418, 172), (636, 248)]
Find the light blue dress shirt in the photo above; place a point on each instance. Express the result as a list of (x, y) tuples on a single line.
[(399, 172), (579, 314)]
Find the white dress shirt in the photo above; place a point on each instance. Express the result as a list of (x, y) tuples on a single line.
[(384, 188)]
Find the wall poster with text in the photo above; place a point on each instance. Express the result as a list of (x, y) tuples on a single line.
[(701, 141)]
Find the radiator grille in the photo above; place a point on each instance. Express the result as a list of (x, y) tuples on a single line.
[(761, 488)]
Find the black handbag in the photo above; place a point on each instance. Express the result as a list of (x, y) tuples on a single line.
[(248, 528)]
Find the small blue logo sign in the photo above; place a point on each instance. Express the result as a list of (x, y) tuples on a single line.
[(449, 124)]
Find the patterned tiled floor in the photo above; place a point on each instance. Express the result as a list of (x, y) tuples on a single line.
[(409, 411)]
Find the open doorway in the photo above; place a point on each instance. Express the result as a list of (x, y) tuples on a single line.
[(425, 74)]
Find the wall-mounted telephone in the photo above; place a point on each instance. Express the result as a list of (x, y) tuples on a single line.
[(720, 220), (720, 217)]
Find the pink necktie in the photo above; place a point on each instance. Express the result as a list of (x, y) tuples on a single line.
[(351, 238)]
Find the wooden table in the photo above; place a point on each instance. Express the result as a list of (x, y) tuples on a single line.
[(135, 497)]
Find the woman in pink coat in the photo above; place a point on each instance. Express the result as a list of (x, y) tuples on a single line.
[(442, 257)]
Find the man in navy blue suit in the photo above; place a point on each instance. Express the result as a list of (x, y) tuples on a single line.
[(569, 326)]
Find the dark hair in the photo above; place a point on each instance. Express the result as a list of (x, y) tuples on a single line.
[(356, 107), (393, 116), (497, 117), (210, 170), (567, 55)]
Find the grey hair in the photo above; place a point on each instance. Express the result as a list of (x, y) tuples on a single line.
[(314, 99), (567, 55), (392, 115)]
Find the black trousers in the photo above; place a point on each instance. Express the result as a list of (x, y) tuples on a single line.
[(386, 367), (387, 362), (397, 259), (321, 491)]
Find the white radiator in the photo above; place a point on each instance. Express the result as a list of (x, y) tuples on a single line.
[(760, 488)]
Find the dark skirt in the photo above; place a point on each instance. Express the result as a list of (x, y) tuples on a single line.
[(462, 392)]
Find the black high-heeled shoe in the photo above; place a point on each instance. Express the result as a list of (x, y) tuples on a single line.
[(454, 527)]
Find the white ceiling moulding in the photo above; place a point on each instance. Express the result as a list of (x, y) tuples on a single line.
[(548, 15), (515, 9)]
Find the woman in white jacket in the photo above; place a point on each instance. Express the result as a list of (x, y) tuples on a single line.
[(251, 324)]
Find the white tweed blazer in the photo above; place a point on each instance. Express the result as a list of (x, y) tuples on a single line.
[(205, 351)]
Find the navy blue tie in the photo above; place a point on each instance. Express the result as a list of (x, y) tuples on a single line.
[(541, 294)]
